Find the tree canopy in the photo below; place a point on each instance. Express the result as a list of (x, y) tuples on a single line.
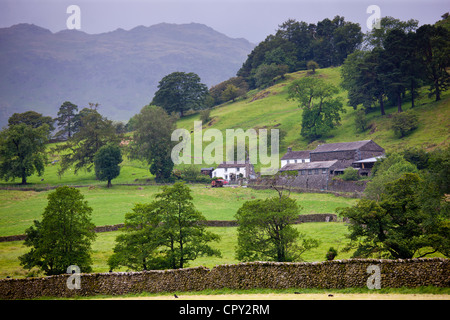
[(167, 233), (321, 107), (22, 151), (64, 235), (94, 132), (295, 43), (106, 162), (67, 119), (265, 231), (398, 59), (400, 224), (179, 92), (152, 141)]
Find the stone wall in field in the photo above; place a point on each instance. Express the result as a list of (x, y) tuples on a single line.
[(274, 275), (314, 217)]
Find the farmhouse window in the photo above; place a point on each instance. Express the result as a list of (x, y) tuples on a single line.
[(316, 171), (324, 171), (310, 171)]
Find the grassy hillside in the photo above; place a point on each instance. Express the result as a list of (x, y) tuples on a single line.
[(269, 108)]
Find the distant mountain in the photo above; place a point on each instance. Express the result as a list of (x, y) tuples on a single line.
[(120, 70)]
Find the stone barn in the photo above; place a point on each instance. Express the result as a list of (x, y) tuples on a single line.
[(313, 175)]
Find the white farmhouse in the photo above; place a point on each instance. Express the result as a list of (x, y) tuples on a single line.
[(233, 170), (295, 157)]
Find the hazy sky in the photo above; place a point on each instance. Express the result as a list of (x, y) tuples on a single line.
[(250, 19)]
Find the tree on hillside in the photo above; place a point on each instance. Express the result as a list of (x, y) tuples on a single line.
[(63, 237), (404, 123), (94, 132), (67, 119), (106, 162), (396, 46), (434, 48), (231, 92), (265, 231), (377, 36), (167, 233), (312, 65), (266, 74), (321, 107), (32, 119), (217, 91), (179, 92), (295, 43), (22, 151), (152, 141)]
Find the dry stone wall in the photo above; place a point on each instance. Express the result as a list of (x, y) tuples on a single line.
[(274, 275)]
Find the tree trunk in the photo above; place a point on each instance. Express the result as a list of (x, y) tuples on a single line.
[(438, 91), (380, 98), (412, 94), (109, 184), (399, 103), (24, 177)]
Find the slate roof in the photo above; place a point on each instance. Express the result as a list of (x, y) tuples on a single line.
[(340, 146), (232, 164), (308, 165), (296, 155)]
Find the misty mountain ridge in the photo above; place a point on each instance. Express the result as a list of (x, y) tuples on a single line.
[(120, 69)]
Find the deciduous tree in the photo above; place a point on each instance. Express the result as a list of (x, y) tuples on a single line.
[(22, 151), (321, 107), (179, 92), (106, 162), (265, 231), (63, 237), (167, 233), (152, 140)]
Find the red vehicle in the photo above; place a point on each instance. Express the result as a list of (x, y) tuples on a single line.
[(218, 183)]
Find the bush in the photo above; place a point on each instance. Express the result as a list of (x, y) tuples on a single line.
[(205, 115), (192, 174), (350, 174), (360, 121), (312, 65), (404, 123), (331, 254)]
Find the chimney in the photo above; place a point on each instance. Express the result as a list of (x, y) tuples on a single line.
[(289, 149)]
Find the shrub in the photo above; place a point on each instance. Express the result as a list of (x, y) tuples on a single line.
[(350, 174), (205, 115), (404, 123), (331, 254), (312, 65), (360, 121)]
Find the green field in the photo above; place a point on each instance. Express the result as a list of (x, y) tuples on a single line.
[(330, 234), (18, 209)]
